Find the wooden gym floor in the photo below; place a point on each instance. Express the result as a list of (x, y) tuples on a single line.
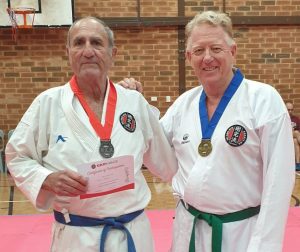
[(161, 196)]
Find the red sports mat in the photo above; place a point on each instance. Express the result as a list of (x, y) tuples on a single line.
[(31, 233)]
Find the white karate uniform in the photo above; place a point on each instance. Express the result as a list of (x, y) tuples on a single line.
[(258, 172), (36, 149)]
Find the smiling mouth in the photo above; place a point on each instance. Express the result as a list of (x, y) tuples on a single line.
[(209, 68)]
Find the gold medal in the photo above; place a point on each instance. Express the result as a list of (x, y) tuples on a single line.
[(205, 147)]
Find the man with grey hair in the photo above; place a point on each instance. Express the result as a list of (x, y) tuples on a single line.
[(79, 149), (234, 146), (236, 165)]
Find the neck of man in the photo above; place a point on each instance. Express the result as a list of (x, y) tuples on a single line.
[(94, 91), (214, 93), (212, 102)]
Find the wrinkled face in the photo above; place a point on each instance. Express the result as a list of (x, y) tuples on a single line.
[(210, 54), (89, 52)]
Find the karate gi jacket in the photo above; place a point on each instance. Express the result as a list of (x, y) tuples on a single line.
[(55, 134), (252, 163)]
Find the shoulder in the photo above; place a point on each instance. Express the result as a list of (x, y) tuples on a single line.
[(190, 94), (256, 86), (261, 92), (263, 99), (185, 100), (52, 93), (44, 103), (183, 105)]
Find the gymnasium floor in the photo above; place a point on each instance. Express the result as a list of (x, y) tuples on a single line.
[(27, 224), (161, 196)]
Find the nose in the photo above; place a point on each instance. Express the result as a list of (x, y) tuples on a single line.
[(88, 50), (207, 55)]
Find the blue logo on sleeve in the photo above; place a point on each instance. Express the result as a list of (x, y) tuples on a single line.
[(61, 138)]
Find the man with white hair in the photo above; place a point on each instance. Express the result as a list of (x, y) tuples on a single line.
[(234, 146)]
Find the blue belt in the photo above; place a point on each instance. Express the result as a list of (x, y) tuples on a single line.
[(109, 223)]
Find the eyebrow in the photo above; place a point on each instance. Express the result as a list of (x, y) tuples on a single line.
[(212, 45), (79, 38)]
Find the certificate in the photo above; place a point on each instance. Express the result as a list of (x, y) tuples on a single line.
[(108, 176)]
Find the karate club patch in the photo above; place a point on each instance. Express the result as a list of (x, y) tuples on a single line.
[(128, 122), (236, 135)]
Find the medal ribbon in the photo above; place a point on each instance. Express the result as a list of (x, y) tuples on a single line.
[(104, 132), (208, 127)]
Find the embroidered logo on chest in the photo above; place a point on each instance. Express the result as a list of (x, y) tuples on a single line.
[(128, 122), (236, 135)]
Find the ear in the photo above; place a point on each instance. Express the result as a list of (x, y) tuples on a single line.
[(233, 50), (114, 52)]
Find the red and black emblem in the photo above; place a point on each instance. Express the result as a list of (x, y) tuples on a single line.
[(128, 122), (236, 135)]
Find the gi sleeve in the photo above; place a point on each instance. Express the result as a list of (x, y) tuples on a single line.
[(24, 153), (160, 156), (278, 181)]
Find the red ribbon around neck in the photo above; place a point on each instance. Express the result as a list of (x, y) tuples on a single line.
[(104, 132)]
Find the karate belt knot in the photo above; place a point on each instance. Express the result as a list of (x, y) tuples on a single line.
[(109, 223), (216, 222)]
